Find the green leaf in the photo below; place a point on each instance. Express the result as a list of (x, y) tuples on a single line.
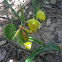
[(22, 14), (14, 26), (19, 38), (35, 52), (13, 10), (37, 41), (16, 33), (34, 6), (38, 7), (9, 32), (54, 47)]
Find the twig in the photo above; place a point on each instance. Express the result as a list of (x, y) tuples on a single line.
[(8, 54), (6, 18)]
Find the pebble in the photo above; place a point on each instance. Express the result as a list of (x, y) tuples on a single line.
[(30, 13), (1, 1), (2, 42), (47, 6), (59, 4), (11, 60), (46, 2), (33, 61), (42, 53), (2, 55), (39, 27), (48, 22), (52, 2)]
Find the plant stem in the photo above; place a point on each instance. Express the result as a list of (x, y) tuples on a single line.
[(34, 7), (12, 20), (44, 41), (21, 23), (41, 37)]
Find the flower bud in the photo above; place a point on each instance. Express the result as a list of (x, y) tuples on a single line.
[(24, 36), (28, 45)]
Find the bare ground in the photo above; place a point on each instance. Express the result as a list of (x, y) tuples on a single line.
[(51, 31)]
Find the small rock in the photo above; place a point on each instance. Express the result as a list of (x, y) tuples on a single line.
[(2, 55), (52, 2), (46, 2), (33, 61), (30, 13), (11, 60), (1, 1), (42, 53), (28, 16), (39, 27), (2, 42), (59, 4), (48, 22), (47, 6)]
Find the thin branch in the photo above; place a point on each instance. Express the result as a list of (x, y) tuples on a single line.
[(8, 54), (6, 18)]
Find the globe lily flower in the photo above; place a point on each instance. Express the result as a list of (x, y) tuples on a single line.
[(28, 45), (33, 24), (40, 15), (24, 35)]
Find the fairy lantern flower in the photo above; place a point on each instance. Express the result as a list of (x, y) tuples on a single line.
[(40, 16), (24, 35), (33, 24), (28, 45)]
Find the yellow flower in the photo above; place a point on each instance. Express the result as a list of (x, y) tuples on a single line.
[(40, 15), (33, 24), (28, 45)]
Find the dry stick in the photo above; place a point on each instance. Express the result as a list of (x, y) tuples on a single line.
[(41, 37), (8, 54), (6, 18)]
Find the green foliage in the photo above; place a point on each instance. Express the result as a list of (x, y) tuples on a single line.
[(22, 14), (23, 36), (38, 7), (54, 47), (35, 52), (19, 38), (41, 49), (37, 41), (13, 10), (34, 7), (9, 31)]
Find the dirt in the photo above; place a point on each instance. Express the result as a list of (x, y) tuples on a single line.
[(50, 31)]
